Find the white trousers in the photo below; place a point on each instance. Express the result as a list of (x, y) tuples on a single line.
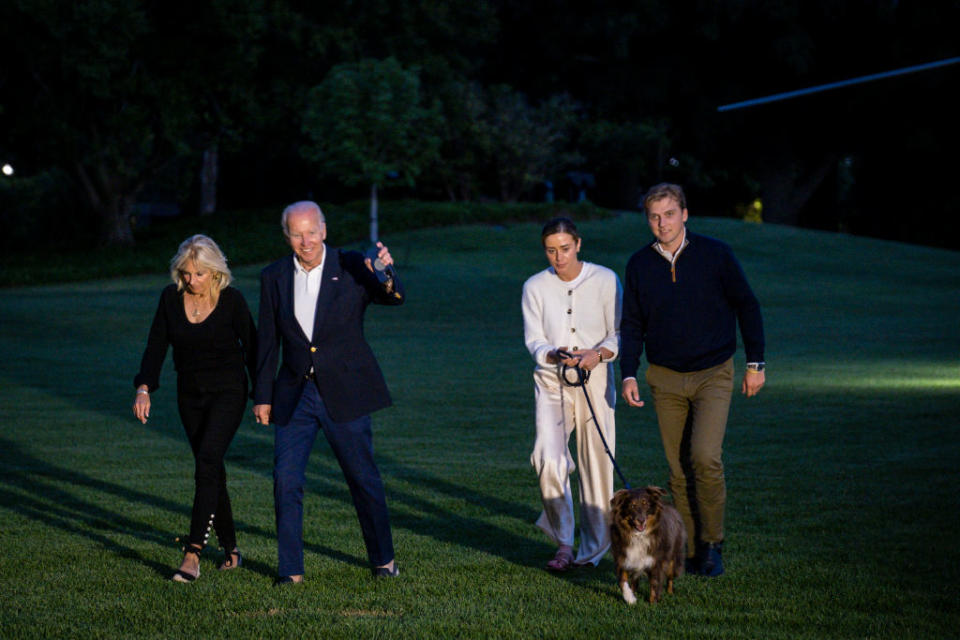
[(562, 411)]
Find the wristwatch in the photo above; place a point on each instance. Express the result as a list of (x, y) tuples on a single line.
[(756, 366)]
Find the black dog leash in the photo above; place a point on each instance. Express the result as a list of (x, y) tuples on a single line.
[(581, 381)]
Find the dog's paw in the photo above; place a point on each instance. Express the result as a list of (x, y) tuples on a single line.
[(628, 595)]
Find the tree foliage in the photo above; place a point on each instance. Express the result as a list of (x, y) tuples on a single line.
[(527, 143), (465, 140), (366, 124), (511, 94), (114, 91)]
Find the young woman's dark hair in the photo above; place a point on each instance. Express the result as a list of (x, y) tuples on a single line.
[(559, 225)]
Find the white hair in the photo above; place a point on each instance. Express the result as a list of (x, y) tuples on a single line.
[(296, 207)]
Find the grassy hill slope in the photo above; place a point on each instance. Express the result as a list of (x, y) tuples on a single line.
[(842, 473)]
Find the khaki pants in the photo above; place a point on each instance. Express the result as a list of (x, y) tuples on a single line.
[(692, 410)]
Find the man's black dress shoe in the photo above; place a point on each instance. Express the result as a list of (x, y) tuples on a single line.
[(383, 572), (285, 580)]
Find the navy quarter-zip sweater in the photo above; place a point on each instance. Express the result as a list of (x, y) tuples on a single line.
[(686, 314)]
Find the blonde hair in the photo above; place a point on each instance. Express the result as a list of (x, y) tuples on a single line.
[(665, 190), (207, 255)]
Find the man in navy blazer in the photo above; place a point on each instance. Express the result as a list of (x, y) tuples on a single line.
[(311, 313)]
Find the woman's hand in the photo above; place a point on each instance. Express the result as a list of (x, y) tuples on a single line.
[(586, 359), (141, 404), (589, 358), (553, 357)]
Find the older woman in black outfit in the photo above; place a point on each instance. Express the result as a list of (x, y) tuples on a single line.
[(214, 340)]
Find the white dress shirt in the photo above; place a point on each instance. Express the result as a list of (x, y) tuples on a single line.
[(306, 288)]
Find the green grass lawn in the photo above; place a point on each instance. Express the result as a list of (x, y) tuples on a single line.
[(842, 474)]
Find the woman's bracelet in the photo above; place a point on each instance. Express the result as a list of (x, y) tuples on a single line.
[(139, 391)]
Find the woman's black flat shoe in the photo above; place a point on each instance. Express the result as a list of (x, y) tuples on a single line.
[(228, 562)]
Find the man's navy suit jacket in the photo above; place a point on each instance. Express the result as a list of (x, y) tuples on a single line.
[(347, 374)]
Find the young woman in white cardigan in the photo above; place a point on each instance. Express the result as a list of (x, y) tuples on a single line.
[(573, 306)]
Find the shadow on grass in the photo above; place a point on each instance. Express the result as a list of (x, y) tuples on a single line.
[(446, 526), (34, 488), (410, 509), (41, 496), (34, 491)]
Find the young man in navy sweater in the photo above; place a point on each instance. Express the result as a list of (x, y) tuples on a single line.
[(684, 295)]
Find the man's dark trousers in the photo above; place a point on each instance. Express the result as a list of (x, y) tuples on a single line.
[(352, 444)]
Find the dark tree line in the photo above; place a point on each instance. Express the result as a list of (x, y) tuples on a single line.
[(238, 103)]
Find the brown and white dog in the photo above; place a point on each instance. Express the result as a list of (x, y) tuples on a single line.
[(647, 537)]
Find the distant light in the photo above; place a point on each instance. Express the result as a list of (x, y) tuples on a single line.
[(7, 170), (673, 162)]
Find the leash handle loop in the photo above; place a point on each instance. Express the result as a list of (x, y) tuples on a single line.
[(582, 374)]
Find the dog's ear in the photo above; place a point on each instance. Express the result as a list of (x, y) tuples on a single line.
[(656, 492), (618, 498)]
